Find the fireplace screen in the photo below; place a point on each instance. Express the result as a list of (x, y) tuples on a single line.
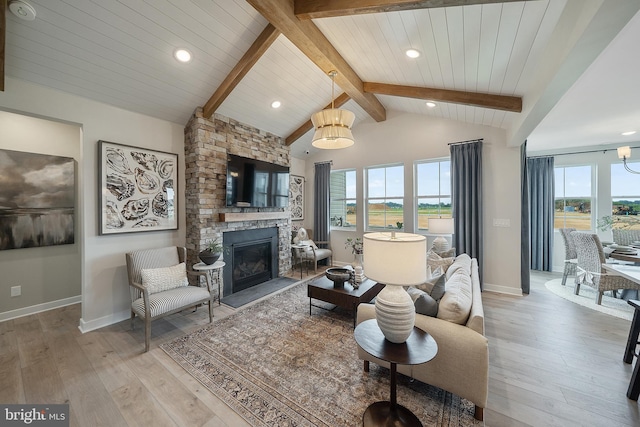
[(251, 264)]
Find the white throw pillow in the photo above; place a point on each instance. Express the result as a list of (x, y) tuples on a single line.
[(163, 279), (455, 304)]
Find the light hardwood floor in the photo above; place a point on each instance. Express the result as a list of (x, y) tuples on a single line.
[(552, 363)]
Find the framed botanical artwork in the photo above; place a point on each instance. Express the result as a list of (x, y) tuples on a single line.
[(296, 197), (37, 200), (138, 189)]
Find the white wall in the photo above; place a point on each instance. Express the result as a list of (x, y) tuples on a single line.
[(105, 292), (407, 137)]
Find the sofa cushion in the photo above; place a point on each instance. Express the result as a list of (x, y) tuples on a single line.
[(434, 285), (165, 278), (423, 302), (462, 262), (434, 260), (455, 304)]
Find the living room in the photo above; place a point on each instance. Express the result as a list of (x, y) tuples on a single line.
[(40, 119)]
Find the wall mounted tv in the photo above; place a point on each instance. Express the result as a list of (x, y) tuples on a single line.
[(256, 184)]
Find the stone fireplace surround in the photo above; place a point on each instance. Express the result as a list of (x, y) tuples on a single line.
[(207, 143)]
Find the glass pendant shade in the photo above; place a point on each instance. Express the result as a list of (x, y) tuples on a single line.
[(333, 128)]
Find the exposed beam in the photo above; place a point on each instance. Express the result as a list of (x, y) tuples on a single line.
[(296, 134), (475, 99), (312, 9), (3, 32), (310, 40), (248, 60)]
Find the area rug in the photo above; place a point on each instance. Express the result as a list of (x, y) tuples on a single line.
[(587, 298), (254, 293), (276, 365)]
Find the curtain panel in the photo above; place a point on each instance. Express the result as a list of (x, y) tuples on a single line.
[(541, 207), (322, 179), (466, 198)]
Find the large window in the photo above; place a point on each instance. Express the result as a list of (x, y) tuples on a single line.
[(385, 193), (573, 197), (625, 197), (433, 191), (343, 199)]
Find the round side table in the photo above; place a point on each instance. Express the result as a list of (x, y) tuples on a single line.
[(419, 348), (214, 268), (298, 249)]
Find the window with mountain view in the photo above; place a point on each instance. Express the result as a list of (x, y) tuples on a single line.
[(384, 200), (625, 197), (573, 197), (343, 199), (433, 191)]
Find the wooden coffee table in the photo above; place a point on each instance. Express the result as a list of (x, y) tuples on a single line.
[(346, 297)]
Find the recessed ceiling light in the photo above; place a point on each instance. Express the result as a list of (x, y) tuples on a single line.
[(276, 104), (431, 104), (631, 132), (22, 10), (182, 55), (412, 53)]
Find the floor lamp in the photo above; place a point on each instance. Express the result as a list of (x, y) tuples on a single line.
[(442, 227)]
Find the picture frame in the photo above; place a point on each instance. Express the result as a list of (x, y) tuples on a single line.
[(138, 189), (296, 197)]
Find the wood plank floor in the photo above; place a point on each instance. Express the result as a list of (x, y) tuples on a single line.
[(552, 363)]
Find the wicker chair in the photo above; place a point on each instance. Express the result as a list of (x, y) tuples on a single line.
[(154, 305), (589, 270), (625, 237), (570, 255)]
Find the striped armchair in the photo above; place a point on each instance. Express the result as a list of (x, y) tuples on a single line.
[(163, 289), (589, 270)]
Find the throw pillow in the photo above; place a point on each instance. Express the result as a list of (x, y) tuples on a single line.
[(423, 302), (165, 278), (434, 285), (451, 253), (455, 304), (462, 262), (434, 260)]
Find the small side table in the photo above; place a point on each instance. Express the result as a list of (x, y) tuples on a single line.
[(298, 248), (419, 348), (214, 268)]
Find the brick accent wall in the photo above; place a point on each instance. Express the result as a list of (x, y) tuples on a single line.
[(206, 144)]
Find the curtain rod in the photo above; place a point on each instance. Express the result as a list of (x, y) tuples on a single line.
[(466, 142), (324, 163), (603, 150)]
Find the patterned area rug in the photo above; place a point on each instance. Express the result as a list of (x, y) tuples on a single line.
[(587, 298), (275, 365)]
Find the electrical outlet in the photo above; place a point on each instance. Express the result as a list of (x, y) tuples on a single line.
[(16, 291)]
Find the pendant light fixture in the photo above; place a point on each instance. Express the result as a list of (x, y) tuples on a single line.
[(333, 126)]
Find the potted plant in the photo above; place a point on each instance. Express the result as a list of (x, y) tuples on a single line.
[(212, 251)]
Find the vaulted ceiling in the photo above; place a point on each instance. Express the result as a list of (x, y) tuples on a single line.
[(482, 61)]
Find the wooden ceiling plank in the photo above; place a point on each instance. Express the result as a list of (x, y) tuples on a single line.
[(315, 9), (476, 99), (3, 35), (310, 40), (248, 60), (307, 126)]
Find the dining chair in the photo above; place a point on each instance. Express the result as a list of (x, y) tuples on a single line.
[(570, 254), (589, 270)]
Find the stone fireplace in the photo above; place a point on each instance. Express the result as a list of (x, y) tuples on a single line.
[(207, 142)]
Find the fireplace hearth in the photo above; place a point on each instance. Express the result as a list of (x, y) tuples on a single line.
[(251, 258)]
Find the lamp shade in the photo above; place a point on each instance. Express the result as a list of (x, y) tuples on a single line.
[(397, 260), (624, 152), (333, 128), (441, 225)]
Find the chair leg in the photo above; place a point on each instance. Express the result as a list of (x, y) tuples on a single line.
[(599, 298), (133, 316), (147, 334), (565, 274), (577, 289), (479, 413), (211, 310)]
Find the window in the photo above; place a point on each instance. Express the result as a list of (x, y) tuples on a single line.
[(385, 193), (343, 212), (625, 197), (573, 197), (433, 191)]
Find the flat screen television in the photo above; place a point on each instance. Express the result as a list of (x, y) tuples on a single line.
[(256, 184)]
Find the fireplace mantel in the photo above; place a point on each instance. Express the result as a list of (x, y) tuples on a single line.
[(252, 216)]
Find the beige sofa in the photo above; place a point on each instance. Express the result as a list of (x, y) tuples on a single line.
[(462, 363)]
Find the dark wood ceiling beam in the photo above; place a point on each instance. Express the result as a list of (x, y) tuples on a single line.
[(312, 9), (310, 40), (248, 60), (296, 134), (475, 99), (3, 32)]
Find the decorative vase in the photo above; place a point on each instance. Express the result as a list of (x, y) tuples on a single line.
[(357, 260), (358, 270), (209, 257), (395, 313)]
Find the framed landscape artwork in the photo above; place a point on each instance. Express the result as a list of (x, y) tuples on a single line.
[(138, 189), (296, 197), (37, 200)]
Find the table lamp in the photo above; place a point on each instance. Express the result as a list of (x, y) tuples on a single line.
[(397, 260), (441, 226)]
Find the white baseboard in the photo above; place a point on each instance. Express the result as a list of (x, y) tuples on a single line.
[(38, 308), (502, 289), (92, 325)]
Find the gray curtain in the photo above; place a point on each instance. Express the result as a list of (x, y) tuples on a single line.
[(525, 281), (466, 198), (541, 204), (321, 201)]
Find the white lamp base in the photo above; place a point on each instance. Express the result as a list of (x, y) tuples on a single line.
[(440, 244), (395, 313)]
